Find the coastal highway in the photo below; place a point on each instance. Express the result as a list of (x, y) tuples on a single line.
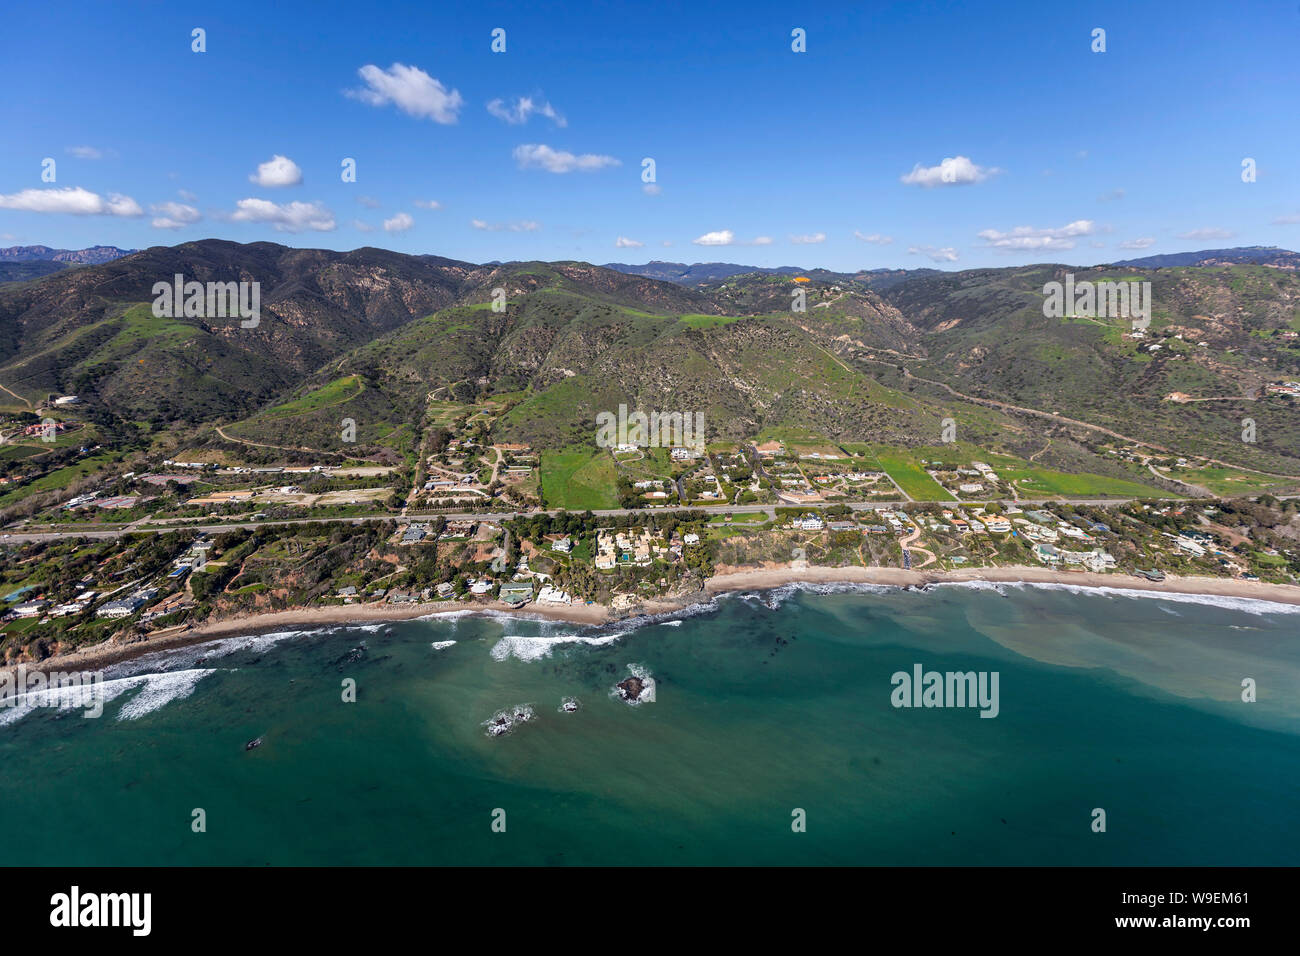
[(15, 535)]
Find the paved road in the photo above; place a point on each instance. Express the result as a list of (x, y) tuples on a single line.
[(49, 533)]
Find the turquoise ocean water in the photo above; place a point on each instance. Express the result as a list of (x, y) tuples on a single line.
[(763, 705)]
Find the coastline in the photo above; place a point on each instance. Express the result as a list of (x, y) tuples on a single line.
[(298, 619), (729, 579), (765, 578)]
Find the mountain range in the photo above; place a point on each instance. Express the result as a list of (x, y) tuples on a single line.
[(883, 357)]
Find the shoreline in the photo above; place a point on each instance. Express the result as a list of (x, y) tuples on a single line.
[(766, 578), (305, 618), (728, 580)]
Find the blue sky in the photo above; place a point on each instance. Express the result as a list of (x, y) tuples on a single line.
[(762, 155)]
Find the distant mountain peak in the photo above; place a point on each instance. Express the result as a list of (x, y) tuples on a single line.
[(1257, 255), (95, 255)]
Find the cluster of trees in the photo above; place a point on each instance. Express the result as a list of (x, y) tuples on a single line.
[(535, 527)]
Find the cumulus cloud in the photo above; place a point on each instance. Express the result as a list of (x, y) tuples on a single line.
[(370, 202), (954, 171), (428, 204), (286, 217), (539, 156), (946, 254), (624, 243), (521, 225), (85, 152), (72, 200), (275, 172), (1287, 220), (360, 226), (517, 112), (1209, 233), (411, 90), (399, 223), (876, 239), (651, 189), (810, 239), (173, 215), (723, 237), (1143, 243), (1023, 238)]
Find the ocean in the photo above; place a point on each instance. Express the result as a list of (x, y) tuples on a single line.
[(766, 733)]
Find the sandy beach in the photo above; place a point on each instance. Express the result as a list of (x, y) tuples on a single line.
[(728, 579), (299, 619), (759, 579)]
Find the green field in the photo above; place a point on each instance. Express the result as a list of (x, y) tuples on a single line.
[(911, 477), (334, 393), (577, 480), (1226, 481), (1041, 482), (57, 479), (744, 517)]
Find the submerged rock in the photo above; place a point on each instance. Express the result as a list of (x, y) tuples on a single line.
[(504, 721)]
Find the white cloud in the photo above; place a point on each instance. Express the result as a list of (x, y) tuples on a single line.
[(277, 171), (560, 161), (85, 152), (370, 202), (1112, 196), (875, 238), (72, 200), (1287, 220), (1143, 243), (399, 223), (1210, 233), (289, 217), (360, 226), (946, 254), (624, 243), (428, 204), (723, 237), (954, 171), (806, 240), (411, 90), (173, 215), (521, 225), (517, 113), (1023, 238), (651, 189), (667, 242), (186, 195)]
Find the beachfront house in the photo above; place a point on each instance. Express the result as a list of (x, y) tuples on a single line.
[(1046, 553)]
